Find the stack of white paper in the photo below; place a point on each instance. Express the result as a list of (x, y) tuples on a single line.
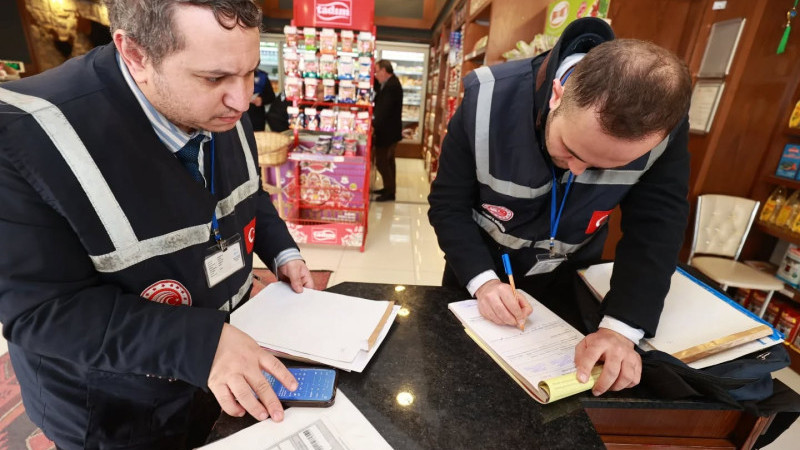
[(332, 329)]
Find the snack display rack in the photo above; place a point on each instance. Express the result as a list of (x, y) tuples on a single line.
[(324, 185)]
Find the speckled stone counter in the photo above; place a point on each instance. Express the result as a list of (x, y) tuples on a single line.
[(461, 398)]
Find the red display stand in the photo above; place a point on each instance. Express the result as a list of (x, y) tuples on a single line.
[(324, 194)]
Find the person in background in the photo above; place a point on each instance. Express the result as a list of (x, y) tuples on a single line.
[(388, 126), (535, 159), (263, 96), (277, 115), (131, 211)]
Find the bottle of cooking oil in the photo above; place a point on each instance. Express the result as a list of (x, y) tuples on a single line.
[(788, 211), (773, 204)]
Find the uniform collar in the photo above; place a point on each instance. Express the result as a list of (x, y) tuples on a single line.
[(173, 137)]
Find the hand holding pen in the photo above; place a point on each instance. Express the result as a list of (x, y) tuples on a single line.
[(499, 302), (510, 274)]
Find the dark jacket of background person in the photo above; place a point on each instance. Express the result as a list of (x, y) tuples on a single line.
[(263, 90), (388, 112)]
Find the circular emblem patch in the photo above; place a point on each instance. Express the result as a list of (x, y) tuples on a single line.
[(169, 292)]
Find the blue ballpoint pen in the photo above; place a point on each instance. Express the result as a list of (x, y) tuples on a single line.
[(507, 266)]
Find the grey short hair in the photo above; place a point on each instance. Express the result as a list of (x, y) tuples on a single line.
[(149, 22)]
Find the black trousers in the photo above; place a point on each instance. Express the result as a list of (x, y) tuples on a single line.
[(385, 163)]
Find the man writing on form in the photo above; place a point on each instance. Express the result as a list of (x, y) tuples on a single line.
[(535, 159), (131, 210)]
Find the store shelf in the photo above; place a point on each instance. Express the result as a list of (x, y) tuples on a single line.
[(482, 12), (792, 132), (786, 182), (412, 88), (327, 104), (319, 157), (475, 55), (411, 119), (414, 74), (779, 232)]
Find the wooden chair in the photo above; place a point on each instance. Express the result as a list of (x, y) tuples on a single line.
[(721, 226)]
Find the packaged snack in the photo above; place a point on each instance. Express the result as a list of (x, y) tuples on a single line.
[(364, 93), (337, 145), (327, 120), (345, 122), (327, 41), (364, 68), (310, 38), (291, 63), (347, 92), (345, 67), (310, 88), (350, 146), (323, 145), (347, 41), (365, 43), (311, 119), (310, 65), (295, 119), (293, 87), (329, 90), (794, 119), (327, 66), (291, 36), (362, 123)]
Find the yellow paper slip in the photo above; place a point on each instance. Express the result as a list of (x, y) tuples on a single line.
[(568, 385)]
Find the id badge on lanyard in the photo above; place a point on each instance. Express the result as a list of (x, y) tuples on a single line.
[(548, 262), (224, 258)]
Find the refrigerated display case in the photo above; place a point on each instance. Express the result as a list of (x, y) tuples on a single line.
[(410, 62), (271, 50)]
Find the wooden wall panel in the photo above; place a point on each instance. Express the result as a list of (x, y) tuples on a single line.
[(667, 23)]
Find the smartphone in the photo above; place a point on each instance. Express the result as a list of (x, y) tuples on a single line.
[(316, 386)]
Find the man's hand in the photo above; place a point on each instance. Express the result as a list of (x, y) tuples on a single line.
[(622, 366), (297, 274), (236, 374), (496, 302)]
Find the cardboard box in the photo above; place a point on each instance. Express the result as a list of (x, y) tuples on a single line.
[(789, 163)]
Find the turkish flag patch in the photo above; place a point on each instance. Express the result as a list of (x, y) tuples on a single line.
[(250, 235), (599, 218)]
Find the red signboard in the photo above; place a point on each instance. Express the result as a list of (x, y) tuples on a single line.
[(343, 14)]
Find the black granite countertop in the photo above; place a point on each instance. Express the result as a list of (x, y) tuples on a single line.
[(461, 397)]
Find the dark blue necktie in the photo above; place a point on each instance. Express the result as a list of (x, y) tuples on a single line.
[(188, 157)]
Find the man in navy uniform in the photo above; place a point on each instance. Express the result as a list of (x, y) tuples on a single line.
[(131, 211), (535, 159)]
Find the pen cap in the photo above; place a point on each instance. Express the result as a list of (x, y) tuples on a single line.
[(506, 264)]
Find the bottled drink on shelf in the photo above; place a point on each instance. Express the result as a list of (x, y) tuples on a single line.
[(788, 212), (773, 204)]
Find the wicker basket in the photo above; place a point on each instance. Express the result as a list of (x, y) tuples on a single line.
[(272, 148)]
